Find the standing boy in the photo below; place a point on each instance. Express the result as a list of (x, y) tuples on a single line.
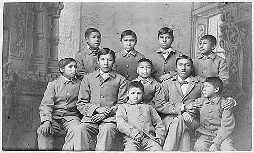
[(127, 59), (58, 108), (207, 63), (139, 122), (151, 86), (100, 93), (164, 58), (87, 58), (216, 123)]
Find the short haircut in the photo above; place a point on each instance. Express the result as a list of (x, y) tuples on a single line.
[(105, 51), (127, 33), (145, 60), (136, 84), (216, 82), (182, 56), (165, 30), (89, 31), (65, 61), (211, 38)]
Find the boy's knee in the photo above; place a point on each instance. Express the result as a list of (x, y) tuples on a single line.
[(109, 127), (199, 146)]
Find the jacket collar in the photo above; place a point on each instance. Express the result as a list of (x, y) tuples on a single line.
[(212, 55), (190, 80), (159, 51), (132, 52), (150, 79), (216, 100), (112, 73), (64, 80)]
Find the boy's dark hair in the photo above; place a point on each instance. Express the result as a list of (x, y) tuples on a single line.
[(65, 61), (105, 51), (182, 56), (145, 60), (165, 30), (89, 31), (136, 84), (127, 33), (216, 82), (211, 38)]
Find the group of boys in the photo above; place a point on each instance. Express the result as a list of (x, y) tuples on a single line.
[(163, 102)]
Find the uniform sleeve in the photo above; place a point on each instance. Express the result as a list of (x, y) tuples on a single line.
[(83, 103), (79, 60), (47, 103), (223, 71), (164, 104), (227, 126), (123, 124), (157, 123)]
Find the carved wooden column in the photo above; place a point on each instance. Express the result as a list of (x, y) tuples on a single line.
[(40, 52), (55, 9), (236, 41)]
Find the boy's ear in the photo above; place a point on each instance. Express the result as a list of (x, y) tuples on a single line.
[(214, 46), (217, 89), (61, 70)]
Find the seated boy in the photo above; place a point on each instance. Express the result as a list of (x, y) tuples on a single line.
[(151, 86), (58, 108), (216, 123), (100, 93), (164, 58), (87, 58), (127, 59), (139, 122)]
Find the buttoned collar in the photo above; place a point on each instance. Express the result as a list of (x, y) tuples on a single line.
[(94, 52), (187, 79), (128, 102), (150, 79), (112, 73), (212, 55), (132, 52), (214, 100), (64, 80), (191, 79)]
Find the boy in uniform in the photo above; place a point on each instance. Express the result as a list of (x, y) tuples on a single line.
[(164, 58), (151, 86), (207, 63), (140, 123), (87, 58), (127, 59), (58, 108), (100, 93), (216, 123)]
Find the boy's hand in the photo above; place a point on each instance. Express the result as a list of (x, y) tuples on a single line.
[(139, 137), (100, 110), (97, 117), (193, 105), (187, 117), (46, 128), (214, 147), (159, 140), (230, 103)]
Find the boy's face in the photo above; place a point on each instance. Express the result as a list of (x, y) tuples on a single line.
[(209, 91), (135, 95), (205, 46), (184, 68), (128, 42), (106, 63), (144, 69), (69, 71), (165, 40), (94, 40)]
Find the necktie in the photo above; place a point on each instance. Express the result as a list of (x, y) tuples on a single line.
[(183, 82)]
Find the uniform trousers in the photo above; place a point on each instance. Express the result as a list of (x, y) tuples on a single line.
[(86, 133), (145, 144), (180, 135), (46, 142), (204, 142)]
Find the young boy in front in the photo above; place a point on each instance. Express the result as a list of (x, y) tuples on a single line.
[(164, 58), (151, 86), (58, 108), (140, 123), (207, 63), (127, 59), (216, 123), (87, 58), (100, 93)]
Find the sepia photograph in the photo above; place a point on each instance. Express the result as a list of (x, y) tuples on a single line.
[(141, 75)]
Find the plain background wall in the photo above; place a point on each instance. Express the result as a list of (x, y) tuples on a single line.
[(112, 18)]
